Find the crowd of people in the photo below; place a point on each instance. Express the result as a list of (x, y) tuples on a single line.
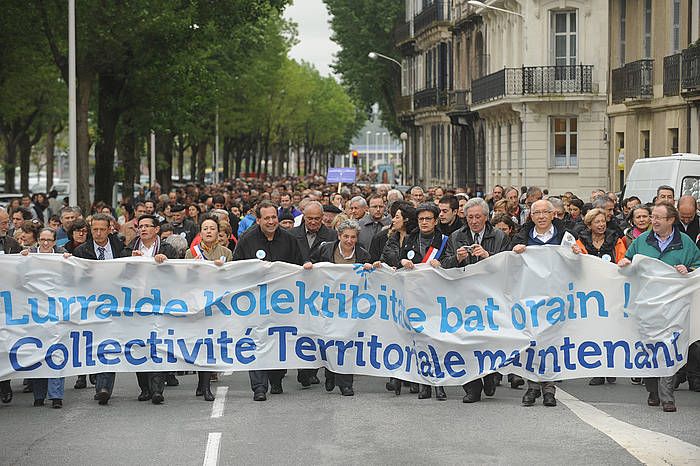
[(304, 221)]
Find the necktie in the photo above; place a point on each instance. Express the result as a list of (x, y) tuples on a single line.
[(476, 239), (101, 255)]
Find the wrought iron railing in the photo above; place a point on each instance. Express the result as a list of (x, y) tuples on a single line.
[(634, 80), (672, 74), (533, 80), (436, 11), (432, 97), (691, 68)]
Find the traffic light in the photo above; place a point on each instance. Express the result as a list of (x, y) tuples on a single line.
[(355, 157)]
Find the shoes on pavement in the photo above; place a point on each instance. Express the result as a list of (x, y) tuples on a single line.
[(440, 394), (6, 396), (347, 391), (214, 377), (259, 396), (80, 383), (679, 379), (314, 380), (330, 385), (57, 404), (157, 398), (93, 378), (426, 391), (530, 396), (145, 395), (102, 396), (490, 385), (653, 399), (304, 381), (171, 380), (472, 397), (597, 381), (611, 379), (636, 380), (413, 387), (668, 407), (39, 402), (275, 389), (516, 381), (549, 400)]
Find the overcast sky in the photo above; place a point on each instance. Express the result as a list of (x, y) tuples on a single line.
[(315, 43)]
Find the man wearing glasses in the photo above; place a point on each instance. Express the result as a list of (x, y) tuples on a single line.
[(666, 243), (372, 223), (541, 229), (8, 245)]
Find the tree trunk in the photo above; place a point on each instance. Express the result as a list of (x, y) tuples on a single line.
[(201, 161), (194, 148), (226, 159), (130, 159), (164, 159), (10, 162), (50, 147), (108, 112), (181, 148)]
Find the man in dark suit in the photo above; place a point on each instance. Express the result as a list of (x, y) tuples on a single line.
[(310, 235), (148, 244), (182, 225), (689, 222), (371, 224), (102, 246), (312, 232)]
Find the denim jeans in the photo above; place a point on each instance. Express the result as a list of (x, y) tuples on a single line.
[(105, 380), (54, 388)]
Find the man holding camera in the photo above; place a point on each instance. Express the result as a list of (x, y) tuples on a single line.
[(475, 241)]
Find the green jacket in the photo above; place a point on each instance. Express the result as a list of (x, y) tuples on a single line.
[(681, 251)]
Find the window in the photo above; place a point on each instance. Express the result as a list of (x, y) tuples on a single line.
[(673, 140), (647, 28), (690, 186), (565, 43), (676, 27), (623, 30), (564, 142), (644, 143)]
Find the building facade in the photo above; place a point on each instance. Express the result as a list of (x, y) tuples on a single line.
[(654, 57)]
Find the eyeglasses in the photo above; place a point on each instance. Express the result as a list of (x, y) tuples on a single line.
[(540, 212), (425, 219), (47, 240), (657, 217), (80, 232)]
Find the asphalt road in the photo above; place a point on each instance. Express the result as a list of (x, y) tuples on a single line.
[(373, 427)]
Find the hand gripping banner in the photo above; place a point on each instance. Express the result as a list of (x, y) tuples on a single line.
[(546, 314)]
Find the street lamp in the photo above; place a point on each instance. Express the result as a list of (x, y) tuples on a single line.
[(376, 55), (367, 152), (72, 111), (483, 5)]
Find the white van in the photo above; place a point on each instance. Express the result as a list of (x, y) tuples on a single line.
[(680, 171)]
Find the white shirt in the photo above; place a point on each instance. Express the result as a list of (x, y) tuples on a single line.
[(544, 237), (478, 236), (108, 250), (147, 252)]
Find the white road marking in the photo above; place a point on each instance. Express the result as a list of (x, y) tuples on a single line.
[(647, 446), (217, 409), (211, 455)]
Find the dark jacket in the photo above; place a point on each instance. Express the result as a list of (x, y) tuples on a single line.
[(693, 229), (524, 235), (187, 229), (283, 248), (369, 228), (393, 252), (448, 229), (324, 235), (9, 245), (87, 249), (494, 241), (326, 253), (164, 248), (378, 242), (612, 246)]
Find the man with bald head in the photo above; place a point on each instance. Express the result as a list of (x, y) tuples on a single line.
[(312, 232), (540, 230), (8, 245), (689, 223)]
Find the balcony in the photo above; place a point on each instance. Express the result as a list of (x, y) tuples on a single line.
[(432, 97), (459, 101), (435, 12), (533, 80), (634, 81), (672, 75), (690, 78), (402, 104), (403, 33)]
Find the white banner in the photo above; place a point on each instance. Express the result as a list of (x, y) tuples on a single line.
[(546, 315)]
